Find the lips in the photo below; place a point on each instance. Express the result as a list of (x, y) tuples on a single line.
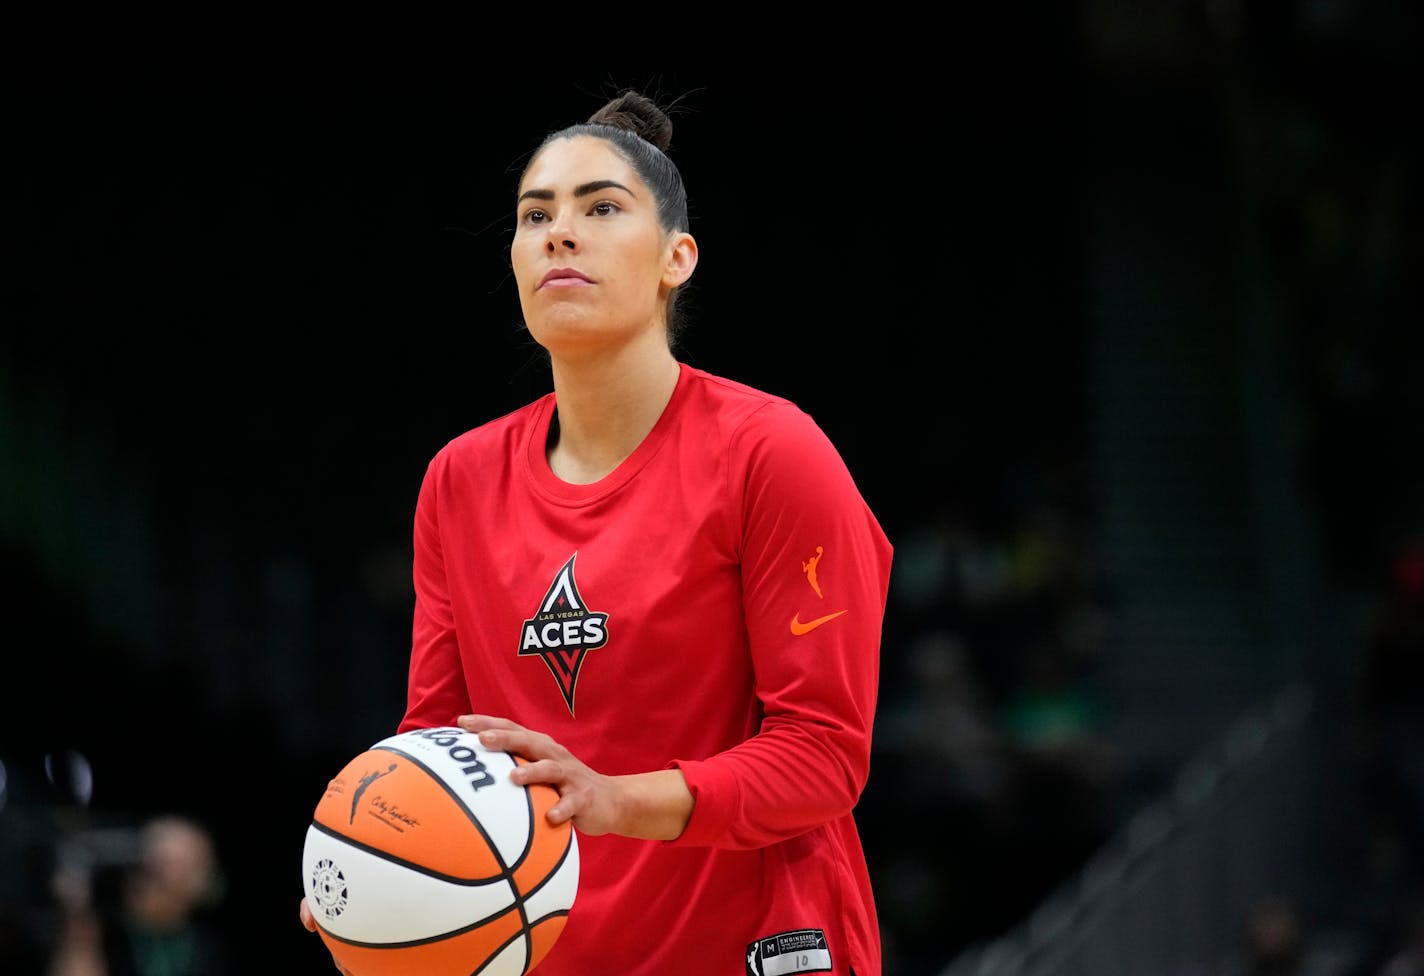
[(564, 278)]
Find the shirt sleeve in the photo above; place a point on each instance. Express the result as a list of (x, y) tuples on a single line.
[(435, 693), (815, 577)]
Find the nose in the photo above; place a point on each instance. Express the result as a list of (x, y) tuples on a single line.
[(560, 237)]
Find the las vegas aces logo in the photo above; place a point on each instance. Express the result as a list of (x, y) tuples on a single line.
[(563, 631)]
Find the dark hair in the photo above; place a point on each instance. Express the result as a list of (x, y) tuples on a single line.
[(640, 131)]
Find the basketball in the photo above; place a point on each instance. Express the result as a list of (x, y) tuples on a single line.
[(424, 858)]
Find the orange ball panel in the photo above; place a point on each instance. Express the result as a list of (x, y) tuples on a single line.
[(545, 855), (542, 937), (426, 827)]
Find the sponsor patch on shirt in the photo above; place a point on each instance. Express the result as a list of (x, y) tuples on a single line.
[(787, 953)]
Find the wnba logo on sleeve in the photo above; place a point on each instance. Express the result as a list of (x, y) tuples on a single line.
[(563, 631), (801, 627)]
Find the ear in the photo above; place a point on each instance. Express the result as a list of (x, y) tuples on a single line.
[(681, 259)]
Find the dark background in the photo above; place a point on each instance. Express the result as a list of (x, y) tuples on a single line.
[(255, 274)]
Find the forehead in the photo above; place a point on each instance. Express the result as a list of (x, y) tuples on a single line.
[(566, 163)]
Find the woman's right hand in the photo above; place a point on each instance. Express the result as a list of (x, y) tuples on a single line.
[(309, 923), (651, 805)]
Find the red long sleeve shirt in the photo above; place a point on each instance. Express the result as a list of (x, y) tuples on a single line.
[(714, 604)]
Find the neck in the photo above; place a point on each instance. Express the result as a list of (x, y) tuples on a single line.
[(607, 406)]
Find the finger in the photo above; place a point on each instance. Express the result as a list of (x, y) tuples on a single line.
[(562, 810), (532, 746), (308, 920), (548, 771), (479, 723)]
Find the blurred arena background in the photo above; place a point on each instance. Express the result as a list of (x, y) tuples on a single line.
[(1113, 309)]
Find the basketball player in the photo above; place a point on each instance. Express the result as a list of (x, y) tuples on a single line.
[(664, 588)]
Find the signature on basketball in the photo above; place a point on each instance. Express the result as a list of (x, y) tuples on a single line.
[(390, 814)]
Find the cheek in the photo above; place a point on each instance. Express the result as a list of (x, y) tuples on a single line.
[(640, 269), (520, 256)]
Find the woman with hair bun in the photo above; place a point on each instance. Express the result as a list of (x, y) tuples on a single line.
[(664, 588)]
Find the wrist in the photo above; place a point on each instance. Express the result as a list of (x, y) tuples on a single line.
[(652, 806)]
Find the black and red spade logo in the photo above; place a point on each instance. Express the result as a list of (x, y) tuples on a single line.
[(563, 631)]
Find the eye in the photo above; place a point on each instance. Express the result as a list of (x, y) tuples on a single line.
[(534, 216), (605, 208)]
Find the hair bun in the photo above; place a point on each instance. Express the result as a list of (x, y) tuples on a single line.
[(638, 114)]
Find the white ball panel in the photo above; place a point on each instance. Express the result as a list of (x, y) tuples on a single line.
[(380, 901), (510, 960), (556, 894)]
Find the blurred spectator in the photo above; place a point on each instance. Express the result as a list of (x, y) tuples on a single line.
[(992, 724), (946, 724), (1068, 768), (156, 922), (942, 756)]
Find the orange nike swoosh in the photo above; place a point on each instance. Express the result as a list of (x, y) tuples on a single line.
[(798, 628)]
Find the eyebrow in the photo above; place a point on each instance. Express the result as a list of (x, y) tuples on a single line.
[(582, 190)]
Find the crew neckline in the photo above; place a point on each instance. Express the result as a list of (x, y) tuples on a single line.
[(554, 487)]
